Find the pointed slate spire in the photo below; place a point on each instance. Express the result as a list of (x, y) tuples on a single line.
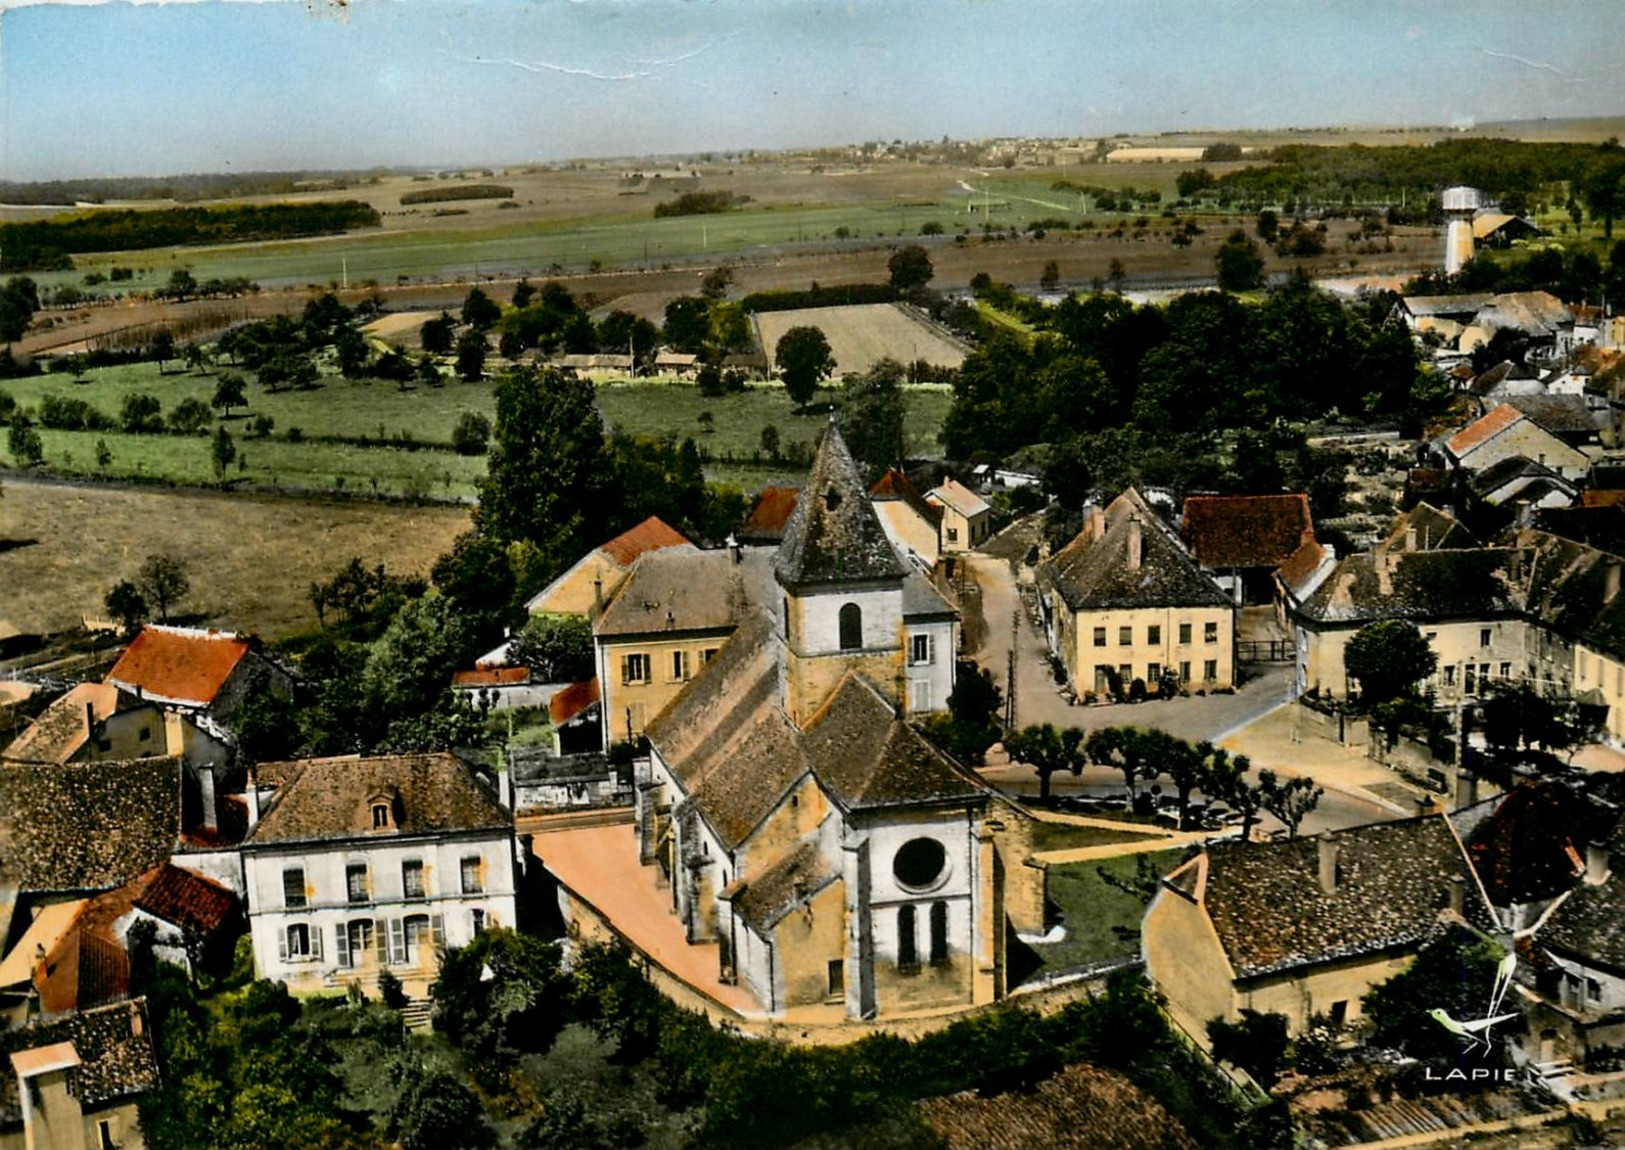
[(833, 535)]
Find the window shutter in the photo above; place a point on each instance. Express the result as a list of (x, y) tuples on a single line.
[(316, 942), (342, 936), (930, 648), (626, 669), (380, 940), (397, 940), (437, 925), (282, 943)]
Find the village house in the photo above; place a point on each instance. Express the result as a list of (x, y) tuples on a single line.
[(1124, 599), (769, 511), (1241, 540), (1460, 324), (912, 522), (841, 862), (353, 865), (966, 516), (96, 721), (594, 578), (1305, 927), (74, 1082), (1507, 432)]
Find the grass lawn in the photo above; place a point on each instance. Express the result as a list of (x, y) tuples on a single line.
[(1090, 909), (1058, 836)]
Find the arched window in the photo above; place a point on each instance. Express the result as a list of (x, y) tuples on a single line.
[(908, 950), (939, 933), (851, 627)]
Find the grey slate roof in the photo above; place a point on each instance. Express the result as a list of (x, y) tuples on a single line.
[(1271, 913), (834, 535), (114, 1045), (1418, 585), (328, 799), (1095, 574), (685, 590), (86, 826), (784, 884), (1565, 416)]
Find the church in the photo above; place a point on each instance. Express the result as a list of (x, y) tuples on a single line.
[(835, 856)]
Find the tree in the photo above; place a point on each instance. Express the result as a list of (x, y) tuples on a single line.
[(910, 267), (874, 410), (231, 390), (223, 452), (471, 351), (1120, 748), (1117, 275), (1269, 226), (141, 414), (1388, 658), (715, 283), (163, 582), (104, 454), (1227, 780), (266, 722), (1603, 187), (688, 324), (471, 434), (1240, 266), (1290, 800), (1051, 277), (480, 311), (1455, 974), (523, 292), (435, 1110), (23, 441), (188, 417), (182, 284), (437, 334), (770, 442), (1047, 750), (556, 648), (163, 347), (804, 361), (1257, 1043), (19, 300), (125, 603), (409, 668), (353, 353)]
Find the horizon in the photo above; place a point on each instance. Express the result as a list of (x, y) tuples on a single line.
[(215, 87)]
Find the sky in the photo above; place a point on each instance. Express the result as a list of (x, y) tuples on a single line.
[(221, 85)]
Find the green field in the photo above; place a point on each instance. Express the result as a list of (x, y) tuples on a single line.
[(1091, 910), (387, 416)]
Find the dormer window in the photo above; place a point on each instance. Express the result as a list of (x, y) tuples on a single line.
[(832, 499), (383, 810), (380, 816)]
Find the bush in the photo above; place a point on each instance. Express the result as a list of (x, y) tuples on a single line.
[(472, 433)]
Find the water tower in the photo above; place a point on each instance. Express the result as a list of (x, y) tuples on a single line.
[(1459, 206)]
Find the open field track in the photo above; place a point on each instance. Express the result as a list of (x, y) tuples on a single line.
[(251, 559), (861, 335)]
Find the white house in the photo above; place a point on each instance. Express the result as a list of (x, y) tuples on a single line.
[(354, 865)]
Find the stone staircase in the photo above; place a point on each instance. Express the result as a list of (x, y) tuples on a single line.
[(415, 1014)]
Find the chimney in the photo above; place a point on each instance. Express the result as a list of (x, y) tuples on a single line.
[(1466, 789), (1410, 537), (1596, 863), (1424, 805), (1097, 520), (734, 552), (597, 597), (1458, 895), (253, 797), (1611, 587), (1136, 543), (1328, 863), (206, 797)]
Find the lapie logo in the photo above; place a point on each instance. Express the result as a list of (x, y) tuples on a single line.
[(1477, 1031)]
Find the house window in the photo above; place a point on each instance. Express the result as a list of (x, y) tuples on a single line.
[(908, 951), (851, 625), (1471, 680), (1184, 671), (296, 947), (104, 1135), (679, 666), (1153, 673), (1153, 634), (1450, 675), (1210, 632), (293, 887), (837, 978), (939, 934), (380, 816), (953, 535), (1185, 633), (1339, 1013), (1100, 636), (1484, 637), (919, 649), (919, 695), (1125, 636), (415, 935), (1210, 670), (707, 655), (476, 921), (1125, 672), (412, 878), (634, 668), (470, 870), (1506, 670), (355, 882), (1593, 990), (1430, 636), (355, 940), (144, 734)]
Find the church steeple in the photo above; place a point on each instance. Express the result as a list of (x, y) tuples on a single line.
[(834, 535)]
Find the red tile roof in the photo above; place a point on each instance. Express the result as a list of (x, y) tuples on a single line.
[(84, 971), (179, 664), (1246, 530), (1592, 497), (572, 701), (650, 535), (895, 485), (770, 512), (1483, 430), (184, 898), (492, 677), (1301, 564)]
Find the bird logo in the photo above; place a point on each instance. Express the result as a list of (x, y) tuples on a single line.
[(1477, 1031)]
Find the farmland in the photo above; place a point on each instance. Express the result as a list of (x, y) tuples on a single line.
[(251, 558), (860, 335)]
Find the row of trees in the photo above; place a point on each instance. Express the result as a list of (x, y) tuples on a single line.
[(1147, 754)]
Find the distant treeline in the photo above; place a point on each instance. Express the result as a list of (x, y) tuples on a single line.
[(185, 188), (465, 192), (700, 204), (815, 296), (48, 244), (1504, 169)]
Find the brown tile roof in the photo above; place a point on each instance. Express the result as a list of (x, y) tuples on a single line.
[(1526, 849), (1095, 574), (1590, 922), (491, 677), (572, 701), (86, 826), (1246, 530), (1301, 566), (796, 875), (1393, 889), (114, 1045), (1480, 583), (1592, 497), (650, 535), (834, 535), (1484, 429), (769, 512), (895, 484), (688, 591), (179, 664), (61, 729), (959, 497), (84, 970), (184, 898), (327, 799), (1425, 528)]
